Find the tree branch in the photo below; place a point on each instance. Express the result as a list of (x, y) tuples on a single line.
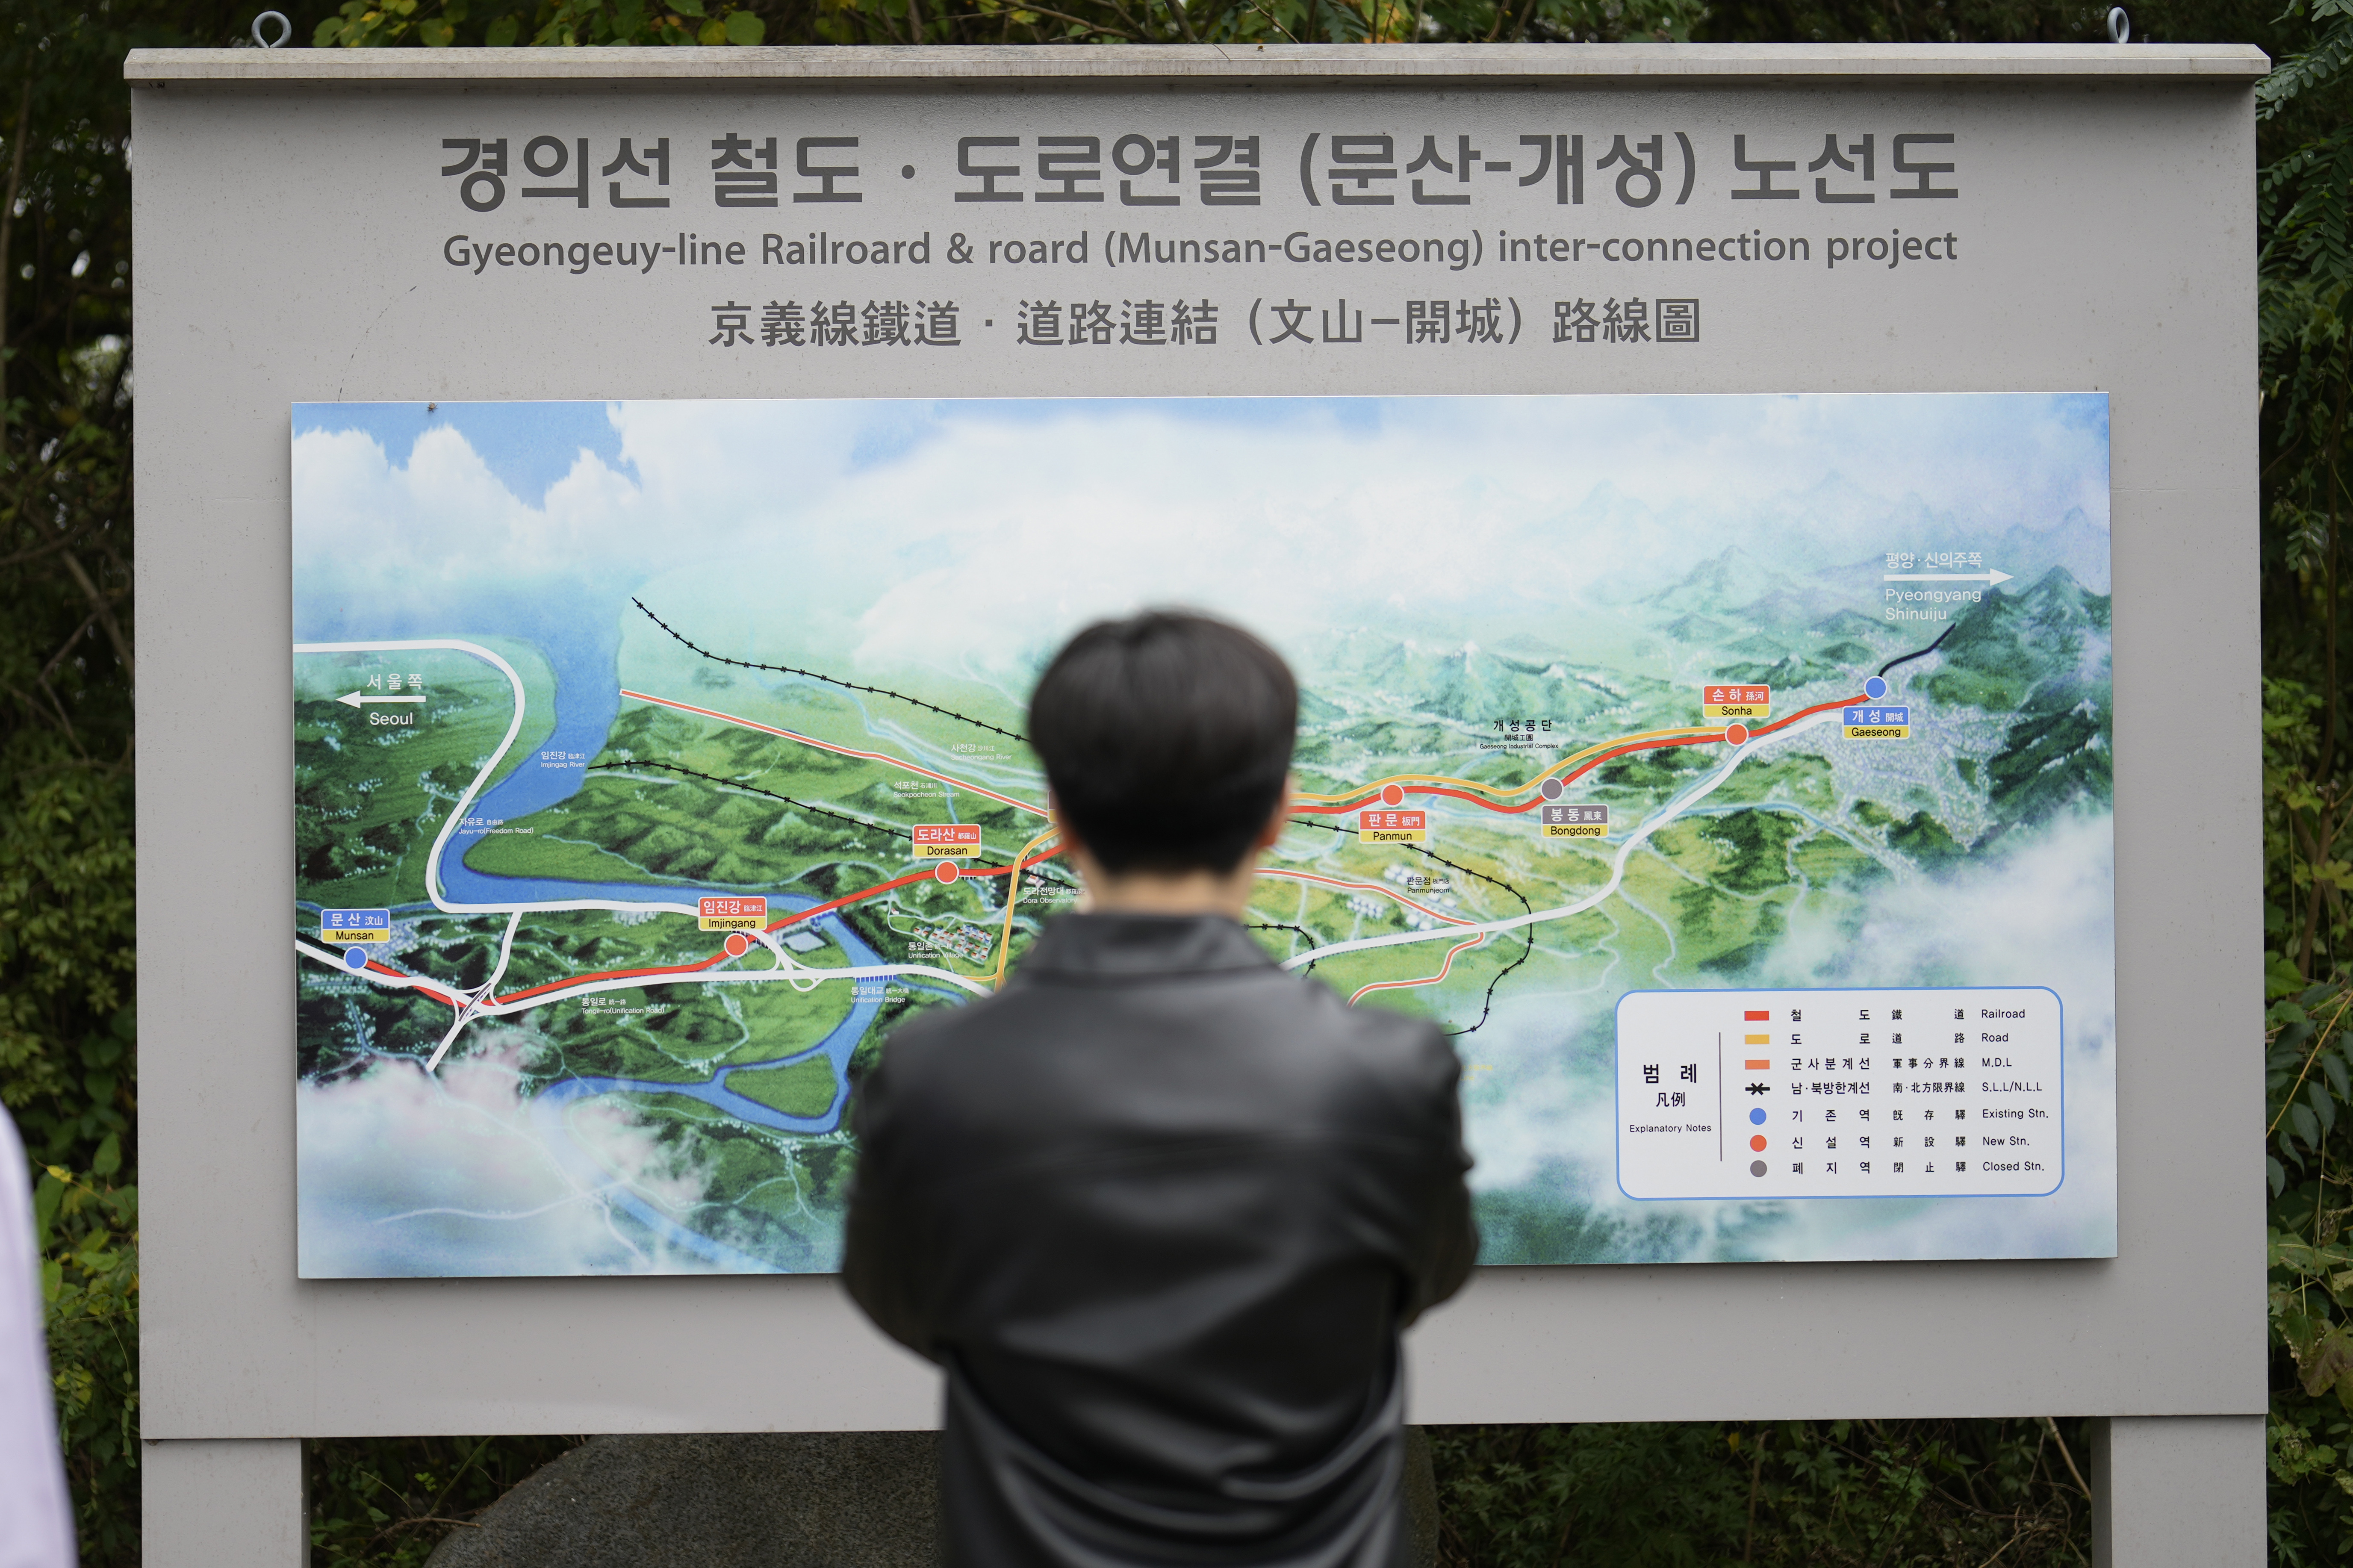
[(8, 227), (101, 607), (59, 658)]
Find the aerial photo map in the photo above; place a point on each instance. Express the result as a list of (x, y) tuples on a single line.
[(1729, 776)]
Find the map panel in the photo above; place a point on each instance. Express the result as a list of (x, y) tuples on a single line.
[(654, 759)]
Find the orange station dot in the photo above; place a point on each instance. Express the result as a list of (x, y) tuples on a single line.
[(1393, 797), (1757, 1142), (738, 944), (947, 871), (1735, 734)]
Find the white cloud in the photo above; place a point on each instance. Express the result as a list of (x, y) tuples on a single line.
[(971, 530), (402, 1174), (2044, 914)]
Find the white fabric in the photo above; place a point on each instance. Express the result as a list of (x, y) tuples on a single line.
[(36, 1517)]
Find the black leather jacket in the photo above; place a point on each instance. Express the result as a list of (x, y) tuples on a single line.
[(1160, 1210)]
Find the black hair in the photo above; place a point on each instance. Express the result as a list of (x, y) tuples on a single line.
[(1166, 738)]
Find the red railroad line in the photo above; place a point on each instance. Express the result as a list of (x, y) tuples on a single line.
[(795, 918), (610, 974), (800, 916), (1371, 800), (450, 1002)]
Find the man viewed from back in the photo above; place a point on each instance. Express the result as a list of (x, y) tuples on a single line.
[(1158, 1209)]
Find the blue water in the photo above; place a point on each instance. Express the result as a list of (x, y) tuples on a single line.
[(836, 1047), (587, 699), (579, 635), (547, 1107)]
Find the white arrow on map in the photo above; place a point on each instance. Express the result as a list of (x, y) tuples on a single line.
[(1985, 577), (355, 699)]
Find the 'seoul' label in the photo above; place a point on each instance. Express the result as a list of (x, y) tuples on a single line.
[(1736, 702), (946, 840), (730, 913), (1392, 827)]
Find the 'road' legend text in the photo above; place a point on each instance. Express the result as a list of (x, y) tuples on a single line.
[(1851, 1093)]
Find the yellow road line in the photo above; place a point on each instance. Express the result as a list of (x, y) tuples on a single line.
[(1563, 764), (1012, 891)]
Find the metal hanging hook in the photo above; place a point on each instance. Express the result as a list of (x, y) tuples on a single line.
[(2119, 25), (285, 30)]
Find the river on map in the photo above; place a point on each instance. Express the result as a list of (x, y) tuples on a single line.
[(581, 642), (550, 1107), (580, 639)]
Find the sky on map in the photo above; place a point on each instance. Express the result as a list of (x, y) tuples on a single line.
[(967, 531)]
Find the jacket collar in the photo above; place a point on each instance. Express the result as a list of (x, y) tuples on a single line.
[(1115, 946)]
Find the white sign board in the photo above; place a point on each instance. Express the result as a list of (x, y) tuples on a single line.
[(1401, 226)]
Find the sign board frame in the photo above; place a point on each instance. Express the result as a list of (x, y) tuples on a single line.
[(255, 288)]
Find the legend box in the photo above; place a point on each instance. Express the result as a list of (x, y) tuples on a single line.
[(1888, 1092)]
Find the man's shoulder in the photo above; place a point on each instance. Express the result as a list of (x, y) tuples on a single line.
[(1406, 1065), (1278, 1010)]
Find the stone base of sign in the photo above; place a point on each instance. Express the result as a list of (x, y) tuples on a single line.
[(760, 1500)]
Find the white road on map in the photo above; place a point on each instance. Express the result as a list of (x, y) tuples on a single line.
[(1634, 841), (472, 1004)]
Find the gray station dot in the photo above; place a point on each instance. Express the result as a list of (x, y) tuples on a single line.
[(1551, 789), (1756, 1167), (906, 170)]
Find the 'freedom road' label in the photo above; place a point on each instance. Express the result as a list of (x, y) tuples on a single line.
[(346, 926), (946, 840), (730, 913), (1392, 827)]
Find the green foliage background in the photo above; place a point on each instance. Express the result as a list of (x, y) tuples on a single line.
[(1884, 1493)]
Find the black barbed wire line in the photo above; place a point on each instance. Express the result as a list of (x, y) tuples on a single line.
[(892, 829), (1487, 1006), (1296, 930), (1922, 653), (829, 679)]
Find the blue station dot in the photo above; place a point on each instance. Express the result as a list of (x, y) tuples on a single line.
[(1876, 688), (1756, 1117), (355, 959)]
